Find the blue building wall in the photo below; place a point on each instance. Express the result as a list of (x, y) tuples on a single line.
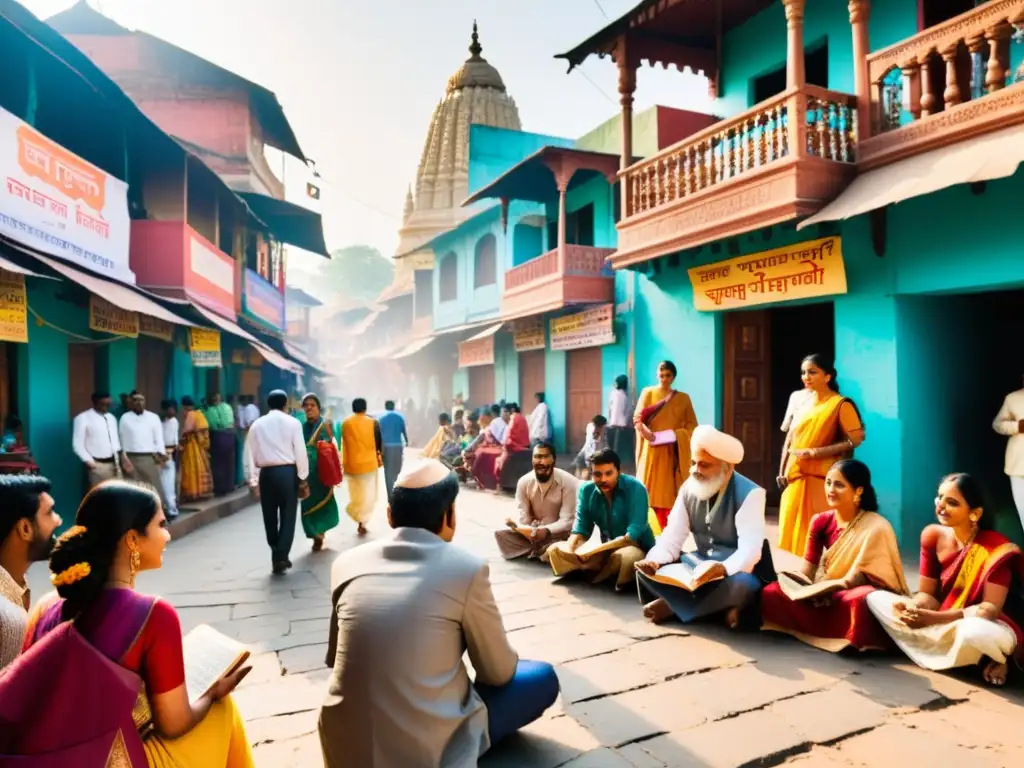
[(492, 151)]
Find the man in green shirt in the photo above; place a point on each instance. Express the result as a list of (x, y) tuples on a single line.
[(617, 504), (222, 445)]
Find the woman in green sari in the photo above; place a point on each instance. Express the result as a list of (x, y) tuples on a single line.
[(319, 509)]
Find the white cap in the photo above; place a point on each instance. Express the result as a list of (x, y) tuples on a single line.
[(422, 473), (720, 445)]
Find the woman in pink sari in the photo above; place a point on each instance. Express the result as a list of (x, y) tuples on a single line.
[(517, 437), (486, 455), (664, 420)]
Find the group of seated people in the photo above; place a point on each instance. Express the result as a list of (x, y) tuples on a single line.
[(499, 453), (850, 590)]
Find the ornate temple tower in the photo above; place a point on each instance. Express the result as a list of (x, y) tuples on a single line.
[(475, 94)]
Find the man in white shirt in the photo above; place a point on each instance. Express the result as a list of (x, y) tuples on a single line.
[(725, 513), (247, 414), (278, 468), (540, 421), (1010, 422), (620, 428), (95, 441), (169, 471), (142, 440)]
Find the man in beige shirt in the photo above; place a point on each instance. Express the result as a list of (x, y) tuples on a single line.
[(405, 609), (546, 499), (1010, 422), (27, 524)]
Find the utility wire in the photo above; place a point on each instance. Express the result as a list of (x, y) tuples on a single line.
[(598, 4), (596, 86)]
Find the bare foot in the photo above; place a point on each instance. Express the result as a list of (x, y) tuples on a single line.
[(657, 611), (732, 618), (318, 542), (361, 530), (995, 673)]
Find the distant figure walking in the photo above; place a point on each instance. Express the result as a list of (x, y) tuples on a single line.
[(394, 439), (362, 446)]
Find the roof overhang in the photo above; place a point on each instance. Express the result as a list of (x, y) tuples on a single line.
[(288, 222)]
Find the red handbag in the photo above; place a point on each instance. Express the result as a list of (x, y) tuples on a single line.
[(328, 462)]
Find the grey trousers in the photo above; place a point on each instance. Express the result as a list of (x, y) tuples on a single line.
[(392, 466)]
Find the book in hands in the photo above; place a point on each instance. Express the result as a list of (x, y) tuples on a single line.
[(590, 549), (684, 576), (796, 586), (209, 657)]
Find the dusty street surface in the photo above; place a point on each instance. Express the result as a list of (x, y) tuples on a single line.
[(633, 695)]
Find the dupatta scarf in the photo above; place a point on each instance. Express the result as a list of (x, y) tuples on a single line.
[(963, 581), (868, 547)]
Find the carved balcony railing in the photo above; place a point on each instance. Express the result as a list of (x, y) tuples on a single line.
[(950, 82), (787, 155), (546, 283)]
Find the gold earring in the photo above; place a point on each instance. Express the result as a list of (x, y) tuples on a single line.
[(133, 566)]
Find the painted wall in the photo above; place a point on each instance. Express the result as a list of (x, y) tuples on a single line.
[(492, 151), (653, 129)]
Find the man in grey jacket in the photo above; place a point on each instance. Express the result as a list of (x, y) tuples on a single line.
[(405, 609)]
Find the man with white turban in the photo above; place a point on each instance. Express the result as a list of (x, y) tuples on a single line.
[(405, 609), (725, 513)]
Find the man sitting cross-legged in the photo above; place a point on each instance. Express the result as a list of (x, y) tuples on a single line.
[(546, 499), (406, 607), (725, 513), (617, 504)]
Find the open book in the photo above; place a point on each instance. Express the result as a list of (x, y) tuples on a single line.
[(592, 548), (796, 586), (682, 575)]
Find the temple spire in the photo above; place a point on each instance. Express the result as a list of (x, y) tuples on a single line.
[(409, 204), (474, 47)]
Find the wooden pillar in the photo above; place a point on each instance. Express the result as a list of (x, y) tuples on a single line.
[(794, 43), (561, 226), (627, 86), (860, 11)]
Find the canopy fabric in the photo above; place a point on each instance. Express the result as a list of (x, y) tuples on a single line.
[(10, 266), (983, 158), (229, 326), (119, 295), (486, 332), (276, 360), (413, 348), (289, 223)]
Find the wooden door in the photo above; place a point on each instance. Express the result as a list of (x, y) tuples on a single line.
[(747, 393), (531, 378), (583, 394), (152, 359), (81, 377), (481, 385)]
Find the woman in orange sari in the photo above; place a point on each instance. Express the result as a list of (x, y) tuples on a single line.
[(827, 430), (958, 618), (664, 420), (196, 475)]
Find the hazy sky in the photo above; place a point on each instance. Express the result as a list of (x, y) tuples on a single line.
[(359, 79)]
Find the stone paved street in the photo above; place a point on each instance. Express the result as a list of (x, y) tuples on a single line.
[(633, 695)]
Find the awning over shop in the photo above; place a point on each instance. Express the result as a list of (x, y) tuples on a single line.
[(413, 348), (984, 158), (301, 358), (119, 295), (10, 266), (228, 325), (486, 332), (290, 223), (276, 360)]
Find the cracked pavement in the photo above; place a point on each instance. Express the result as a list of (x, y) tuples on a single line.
[(633, 695)]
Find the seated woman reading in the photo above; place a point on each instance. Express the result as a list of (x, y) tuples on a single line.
[(121, 530), (827, 608), (957, 617)]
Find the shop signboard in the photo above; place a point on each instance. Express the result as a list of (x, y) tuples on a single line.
[(528, 334), (56, 202), (13, 308), (262, 302), (156, 328), (476, 352), (591, 328), (210, 277), (106, 318), (801, 271), (205, 346)]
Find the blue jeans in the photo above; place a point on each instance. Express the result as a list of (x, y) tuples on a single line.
[(532, 689)]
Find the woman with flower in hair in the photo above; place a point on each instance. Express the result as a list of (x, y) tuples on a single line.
[(120, 531)]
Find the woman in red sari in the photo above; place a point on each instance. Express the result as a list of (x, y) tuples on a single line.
[(120, 530), (828, 610), (487, 452), (664, 421), (957, 617), (517, 437)]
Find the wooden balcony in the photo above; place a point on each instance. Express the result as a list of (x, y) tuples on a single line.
[(546, 283), (949, 83), (786, 157)]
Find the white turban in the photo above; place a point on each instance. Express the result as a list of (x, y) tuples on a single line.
[(422, 473), (720, 445)]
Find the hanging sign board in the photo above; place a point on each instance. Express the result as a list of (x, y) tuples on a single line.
[(528, 335), (155, 327), (478, 352), (592, 328), (205, 348), (106, 318), (801, 271), (13, 308)]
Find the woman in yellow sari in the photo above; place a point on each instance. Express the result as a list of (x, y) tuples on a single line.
[(664, 420), (827, 430), (196, 475)]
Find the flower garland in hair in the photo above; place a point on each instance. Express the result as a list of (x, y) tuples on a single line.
[(71, 574), (70, 533)]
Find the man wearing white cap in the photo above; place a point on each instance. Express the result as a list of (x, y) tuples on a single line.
[(725, 513), (405, 608)]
